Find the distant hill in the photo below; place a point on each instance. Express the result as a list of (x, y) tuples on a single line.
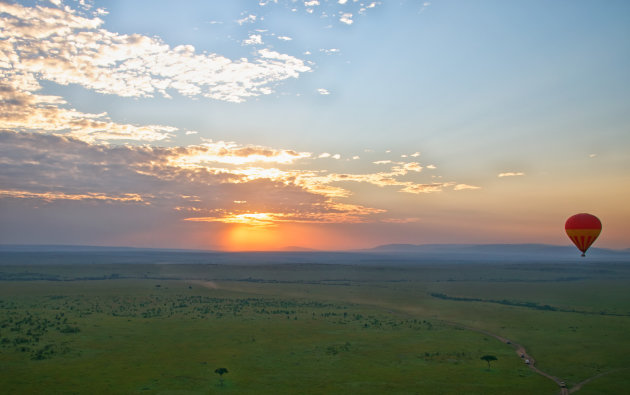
[(400, 254), (81, 248), (297, 248), (496, 252)]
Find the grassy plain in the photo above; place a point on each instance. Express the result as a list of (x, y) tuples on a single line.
[(311, 328)]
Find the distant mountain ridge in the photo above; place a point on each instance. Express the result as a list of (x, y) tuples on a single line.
[(407, 254), (495, 250)]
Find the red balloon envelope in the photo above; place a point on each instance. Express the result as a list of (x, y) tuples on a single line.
[(583, 229)]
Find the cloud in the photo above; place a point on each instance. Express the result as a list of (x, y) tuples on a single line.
[(323, 91), (330, 51), (346, 18), (205, 182), (333, 213), (79, 51), (51, 196), (27, 111), (401, 220), (510, 174), (254, 39), (284, 38), (248, 19), (232, 153), (412, 166), (463, 187), (202, 180)]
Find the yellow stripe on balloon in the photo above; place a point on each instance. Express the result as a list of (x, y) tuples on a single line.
[(583, 238)]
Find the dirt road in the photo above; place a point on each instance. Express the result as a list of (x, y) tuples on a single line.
[(522, 352)]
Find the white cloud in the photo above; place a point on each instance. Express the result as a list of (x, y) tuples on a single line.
[(79, 51), (323, 91), (248, 19), (346, 18), (32, 112), (324, 155), (511, 174), (254, 39), (330, 51), (462, 187), (311, 3), (232, 153), (284, 38)]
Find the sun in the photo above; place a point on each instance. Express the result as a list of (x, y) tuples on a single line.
[(253, 238)]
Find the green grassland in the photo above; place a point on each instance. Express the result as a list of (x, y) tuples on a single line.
[(312, 328)]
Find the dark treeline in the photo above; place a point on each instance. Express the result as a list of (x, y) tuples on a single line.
[(529, 305)]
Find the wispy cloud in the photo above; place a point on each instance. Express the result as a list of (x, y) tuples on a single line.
[(232, 153), (408, 220), (330, 51), (463, 187), (79, 51), (248, 19), (202, 181), (511, 174), (51, 196), (28, 111)]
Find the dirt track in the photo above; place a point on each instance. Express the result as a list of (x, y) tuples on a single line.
[(522, 352)]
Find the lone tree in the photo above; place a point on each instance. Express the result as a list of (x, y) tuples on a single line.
[(221, 372), (489, 358)]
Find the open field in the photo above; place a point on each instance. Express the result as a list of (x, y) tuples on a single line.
[(312, 328)]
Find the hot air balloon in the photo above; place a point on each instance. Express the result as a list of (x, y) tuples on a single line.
[(583, 229)]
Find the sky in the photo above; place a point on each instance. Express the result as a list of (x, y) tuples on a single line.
[(330, 125)]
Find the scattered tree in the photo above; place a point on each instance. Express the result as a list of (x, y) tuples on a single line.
[(489, 358), (221, 372)]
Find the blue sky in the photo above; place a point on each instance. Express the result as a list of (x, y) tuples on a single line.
[(343, 123)]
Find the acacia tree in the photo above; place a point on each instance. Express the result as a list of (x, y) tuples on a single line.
[(489, 358), (221, 372)]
